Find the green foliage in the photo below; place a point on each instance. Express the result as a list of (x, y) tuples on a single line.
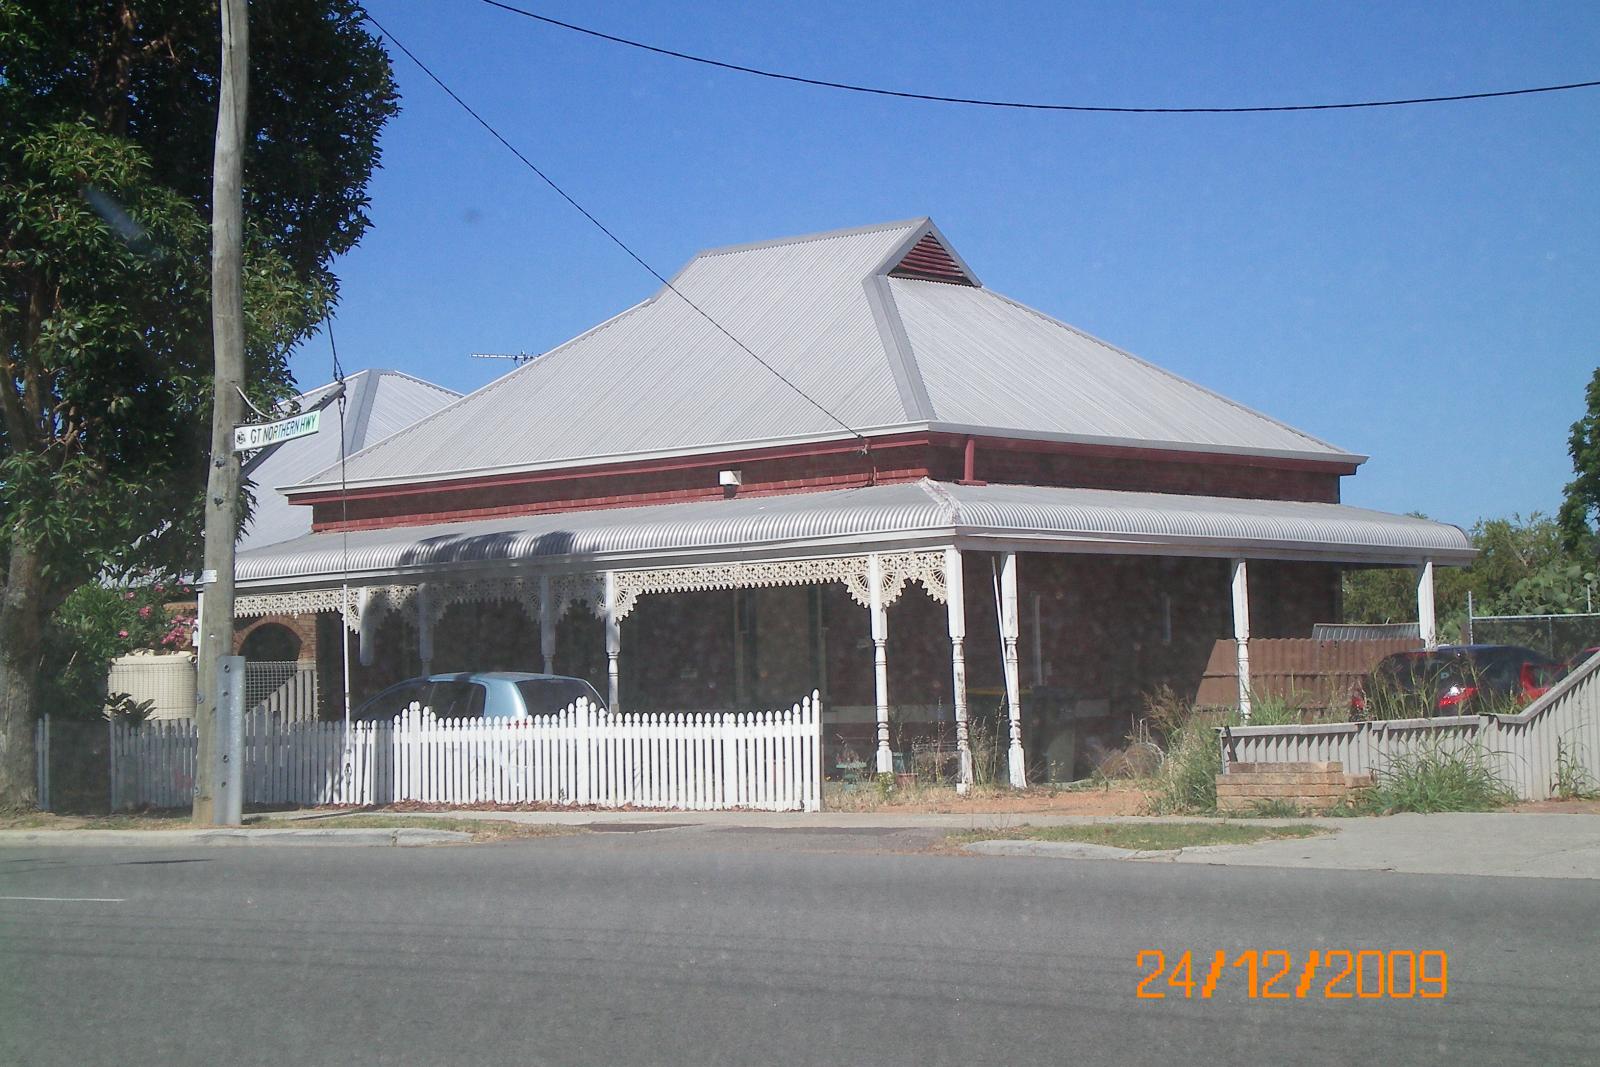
[(1187, 781), (1573, 780), (1192, 757), (107, 120), (96, 624), (1581, 500), (122, 707), (1436, 776), (1524, 566), (987, 748), (105, 161), (1271, 710)]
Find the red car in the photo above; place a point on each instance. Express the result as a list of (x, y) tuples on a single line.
[(1457, 679)]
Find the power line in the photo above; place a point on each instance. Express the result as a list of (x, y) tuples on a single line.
[(1024, 105), (603, 229)]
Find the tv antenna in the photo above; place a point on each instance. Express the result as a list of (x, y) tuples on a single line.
[(515, 357)]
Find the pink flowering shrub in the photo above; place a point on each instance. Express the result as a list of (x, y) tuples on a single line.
[(99, 623)]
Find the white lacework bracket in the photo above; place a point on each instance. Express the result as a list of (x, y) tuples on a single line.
[(299, 602), (897, 570)]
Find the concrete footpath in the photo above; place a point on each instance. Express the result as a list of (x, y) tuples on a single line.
[(1498, 844)]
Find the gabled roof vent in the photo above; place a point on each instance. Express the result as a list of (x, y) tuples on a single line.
[(931, 261)]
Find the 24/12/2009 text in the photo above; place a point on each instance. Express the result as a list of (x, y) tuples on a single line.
[(1276, 974)]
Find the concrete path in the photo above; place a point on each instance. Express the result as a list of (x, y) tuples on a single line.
[(1522, 846)]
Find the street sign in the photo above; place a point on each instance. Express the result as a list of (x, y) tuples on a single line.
[(246, 438)]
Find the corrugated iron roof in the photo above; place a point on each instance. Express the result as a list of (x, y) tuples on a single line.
[(833, 313), (989, 361), (378, 403), (851, 520)]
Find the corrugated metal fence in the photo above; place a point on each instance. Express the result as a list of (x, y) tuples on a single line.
[(1304, 671), (764, 760), (1526, 750)]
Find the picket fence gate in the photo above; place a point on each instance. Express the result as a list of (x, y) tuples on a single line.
[(769, 761)]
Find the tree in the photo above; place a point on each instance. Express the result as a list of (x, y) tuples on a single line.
[(1523, 567), (106, 119), (1581, 500)]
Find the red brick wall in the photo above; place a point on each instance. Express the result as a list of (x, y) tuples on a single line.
[(831, 467), (580, 491)]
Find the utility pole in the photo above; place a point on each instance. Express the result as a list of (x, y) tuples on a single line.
[(227, 338)]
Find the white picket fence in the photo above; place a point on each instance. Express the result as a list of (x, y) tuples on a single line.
[(1557, 733), (770, 761)]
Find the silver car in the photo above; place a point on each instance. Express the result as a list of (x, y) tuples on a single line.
[(481, 695)]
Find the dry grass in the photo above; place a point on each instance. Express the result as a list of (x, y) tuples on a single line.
[(1144, 837), (43, 820), (480, 829), (984, 799)]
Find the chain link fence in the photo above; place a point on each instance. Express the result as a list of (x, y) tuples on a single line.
[(1557, 636), (285, 690)]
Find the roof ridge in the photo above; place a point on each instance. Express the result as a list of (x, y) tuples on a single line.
[(392, 372), (805, 238), (903, 366)]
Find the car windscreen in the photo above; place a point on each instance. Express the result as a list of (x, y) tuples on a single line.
[(546, 696)]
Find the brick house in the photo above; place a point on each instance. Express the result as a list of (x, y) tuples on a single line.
[(837, 462), (378, 403)]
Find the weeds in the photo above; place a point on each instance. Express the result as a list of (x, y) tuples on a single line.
[(1433, 778), (1572, 781), (988, 753), (1275, 809), (1273, 711), (1187, 781), (1142, 837)]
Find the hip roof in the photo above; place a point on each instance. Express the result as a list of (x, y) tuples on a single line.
[(880, 329)]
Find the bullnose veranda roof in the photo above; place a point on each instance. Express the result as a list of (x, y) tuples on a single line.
[(886, 327), (848, 521)]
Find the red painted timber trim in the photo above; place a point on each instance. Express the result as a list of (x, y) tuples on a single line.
[(707, 461)]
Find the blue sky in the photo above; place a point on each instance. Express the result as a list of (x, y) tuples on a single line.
[(1421, 285)]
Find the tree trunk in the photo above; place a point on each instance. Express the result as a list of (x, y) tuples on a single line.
[(23, 610)]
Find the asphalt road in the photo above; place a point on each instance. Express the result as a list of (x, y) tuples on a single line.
[(750, 947)]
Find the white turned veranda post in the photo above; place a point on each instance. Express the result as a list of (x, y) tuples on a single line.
[(547, 626), (880, 659), (366, 626), (955, 609), (1241, 633), (1008, 634), (613, 643), (1427, 625), (424, 628)]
